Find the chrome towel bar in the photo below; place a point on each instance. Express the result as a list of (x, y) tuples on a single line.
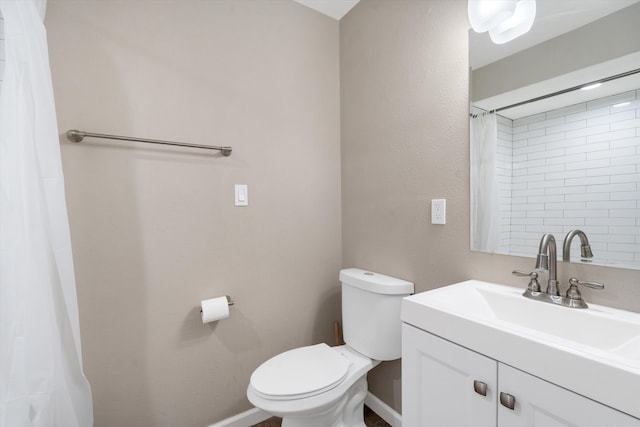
[(74, 135)]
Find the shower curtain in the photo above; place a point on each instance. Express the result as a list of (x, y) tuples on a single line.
[(485, 206), (41, 377)]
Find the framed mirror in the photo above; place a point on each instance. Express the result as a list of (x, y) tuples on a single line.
[(548, 155)]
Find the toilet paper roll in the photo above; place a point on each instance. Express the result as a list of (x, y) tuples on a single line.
[(214, 309)]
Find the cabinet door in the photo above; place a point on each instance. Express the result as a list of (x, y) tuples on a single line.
[(539, 403), (438, 383)]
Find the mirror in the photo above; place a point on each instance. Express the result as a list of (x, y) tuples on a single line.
[(570, 159)]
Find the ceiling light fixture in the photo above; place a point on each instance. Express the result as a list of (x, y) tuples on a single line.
[(504, 19), (622, 104), (486, 14), (591, 86)]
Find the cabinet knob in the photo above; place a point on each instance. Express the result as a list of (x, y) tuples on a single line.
[(507, 400), (480, 387)]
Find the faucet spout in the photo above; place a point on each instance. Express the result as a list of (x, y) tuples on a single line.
[(548, 260), (585, 248)]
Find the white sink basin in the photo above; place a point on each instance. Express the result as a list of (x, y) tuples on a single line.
[(594, 352)]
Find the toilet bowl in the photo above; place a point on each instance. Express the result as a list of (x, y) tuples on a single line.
[(314, 386), (322, 386)]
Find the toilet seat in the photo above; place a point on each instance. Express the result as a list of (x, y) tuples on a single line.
[(300, 373)]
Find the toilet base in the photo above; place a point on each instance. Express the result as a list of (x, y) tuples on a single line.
[(346, 412)]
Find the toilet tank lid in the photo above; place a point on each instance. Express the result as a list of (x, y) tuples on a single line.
[(375, 282)]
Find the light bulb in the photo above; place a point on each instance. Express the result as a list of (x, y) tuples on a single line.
[(515, 26), (486, 14)]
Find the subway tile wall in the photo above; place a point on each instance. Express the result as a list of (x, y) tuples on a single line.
[(576, 167), (504, 161)]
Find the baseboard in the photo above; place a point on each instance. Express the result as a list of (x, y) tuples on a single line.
[(385, 411), (255, 415), (244, 419)]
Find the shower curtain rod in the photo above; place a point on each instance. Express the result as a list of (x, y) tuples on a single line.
[(563, 91), (74, 135)]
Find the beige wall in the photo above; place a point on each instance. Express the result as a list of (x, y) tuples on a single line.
[(404, 98), (154, 229)]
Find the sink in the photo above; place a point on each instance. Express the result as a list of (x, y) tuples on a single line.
[(596, 328), (601, 328), (593, 351)]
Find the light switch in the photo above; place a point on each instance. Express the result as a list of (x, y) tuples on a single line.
[(242, 195)]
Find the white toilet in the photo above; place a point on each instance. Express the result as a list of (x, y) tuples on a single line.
[(322, 386)]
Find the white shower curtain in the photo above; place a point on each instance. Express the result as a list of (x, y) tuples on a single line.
[(485, 206), (41, 377)]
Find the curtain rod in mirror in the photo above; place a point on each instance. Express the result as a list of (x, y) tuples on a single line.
[(571, 89)]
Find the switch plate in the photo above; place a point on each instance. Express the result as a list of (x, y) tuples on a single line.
[(439, 211), (242, 195)]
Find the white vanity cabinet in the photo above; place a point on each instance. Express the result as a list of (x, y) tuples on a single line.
[(438, 383), (447, 385)]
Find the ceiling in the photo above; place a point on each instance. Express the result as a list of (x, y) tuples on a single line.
[(333, 8)]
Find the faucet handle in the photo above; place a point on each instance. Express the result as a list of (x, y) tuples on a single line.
[(573, 293), (534, 285), (593, 285)]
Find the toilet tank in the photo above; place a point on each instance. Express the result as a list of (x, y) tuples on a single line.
[(371, 303)]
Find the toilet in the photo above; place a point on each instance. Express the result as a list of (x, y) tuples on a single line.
[(322, 386)]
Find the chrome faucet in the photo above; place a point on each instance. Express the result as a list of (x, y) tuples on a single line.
[(548, 250), (552, 295), (585, 248)]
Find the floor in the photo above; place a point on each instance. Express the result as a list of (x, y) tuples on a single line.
[(371, 419)]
